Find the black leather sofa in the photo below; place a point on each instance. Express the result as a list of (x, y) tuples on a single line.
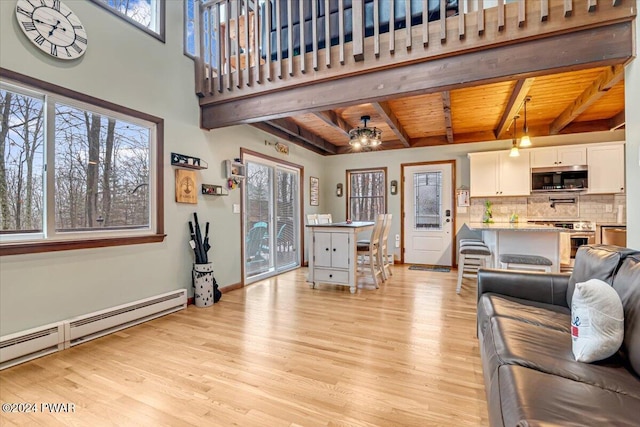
[(384, 14), (531, 377)]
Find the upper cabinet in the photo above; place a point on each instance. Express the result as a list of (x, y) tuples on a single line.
[(496, 174), (606, 168), (558, 156)]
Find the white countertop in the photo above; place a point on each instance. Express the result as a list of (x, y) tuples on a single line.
[(514, 226)]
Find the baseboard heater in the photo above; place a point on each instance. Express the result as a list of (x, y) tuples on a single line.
[(27, 345)]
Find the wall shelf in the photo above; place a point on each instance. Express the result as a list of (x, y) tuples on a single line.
[(188, 162), (235, 170), (214, 190)]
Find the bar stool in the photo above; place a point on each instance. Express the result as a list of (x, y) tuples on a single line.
[(525, 262), (472, 255)]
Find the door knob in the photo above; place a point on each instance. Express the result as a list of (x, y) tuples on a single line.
[(447, 220)]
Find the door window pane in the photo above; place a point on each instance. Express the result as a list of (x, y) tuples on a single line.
[(428, 202), (258, 207), (286, 241)]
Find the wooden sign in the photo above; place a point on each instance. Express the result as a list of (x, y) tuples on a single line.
[(186, 191)]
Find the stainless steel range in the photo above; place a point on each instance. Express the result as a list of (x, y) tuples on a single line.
[(578, 233)]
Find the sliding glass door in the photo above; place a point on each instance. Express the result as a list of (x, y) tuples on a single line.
[(271, 212)]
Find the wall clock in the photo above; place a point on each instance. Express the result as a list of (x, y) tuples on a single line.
[(52, 27)]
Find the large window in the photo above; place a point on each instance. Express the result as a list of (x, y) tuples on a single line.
[(366, 194), (74, 171), (147, 15)]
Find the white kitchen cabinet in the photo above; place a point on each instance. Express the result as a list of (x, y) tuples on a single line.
[(606, 168), (496, 174), (558, 156)]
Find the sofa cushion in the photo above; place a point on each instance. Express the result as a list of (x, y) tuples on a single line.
[(533, 312), (511, 342), (532, 398), (597, 322), (627, 284), (595, 262)]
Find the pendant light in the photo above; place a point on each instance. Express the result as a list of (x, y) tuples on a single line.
[(525, 141), (514, 144), (365, 136)]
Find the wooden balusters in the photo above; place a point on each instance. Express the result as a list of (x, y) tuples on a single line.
[(544, 10), (443, 21), (591, 5), (327, 35), (314, 34), (290, 36), (392, 28), (278, 42), (227, 43), (425, 23), (218, 46), (256, 43), (238, 38), (376, 28), (480, 17), (357, 13), (201, 66), (568, 8), (267, 39), (303, 44), (521, 13), (247, 44), (407, 9), (461, 18), (500, 15), (340, 31)]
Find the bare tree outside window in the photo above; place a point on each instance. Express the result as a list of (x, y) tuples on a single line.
[(366, 194), (21, 163)]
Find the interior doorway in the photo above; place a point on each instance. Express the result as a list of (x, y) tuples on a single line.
[(428, 213)]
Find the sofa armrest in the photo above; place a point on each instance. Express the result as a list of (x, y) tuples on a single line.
[(549, 288)]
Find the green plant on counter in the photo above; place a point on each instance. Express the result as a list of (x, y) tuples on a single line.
[(487, 218)]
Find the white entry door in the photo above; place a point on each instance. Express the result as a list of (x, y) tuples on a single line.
[(428, 214)]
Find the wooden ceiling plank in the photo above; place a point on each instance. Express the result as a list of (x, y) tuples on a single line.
[(332, 118), (446, 107), (518, 95), (605, 81), (384, 109), (283, 135), (290, 127), (617, 121)]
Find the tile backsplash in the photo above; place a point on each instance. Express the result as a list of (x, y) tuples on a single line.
[(569, 206)]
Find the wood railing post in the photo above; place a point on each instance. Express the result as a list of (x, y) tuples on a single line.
[(200, 67), (341, 31)]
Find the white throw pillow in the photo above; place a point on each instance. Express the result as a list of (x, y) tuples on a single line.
[(597, 321)]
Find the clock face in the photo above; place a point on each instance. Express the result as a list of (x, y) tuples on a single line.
[(52, 27)]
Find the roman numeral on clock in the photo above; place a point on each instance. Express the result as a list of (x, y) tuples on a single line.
[(56, 5), (39, 40), (77, 27), (29, 26), (24, 12), (76, 47), (68, 53), (81, 39), (54, 50)]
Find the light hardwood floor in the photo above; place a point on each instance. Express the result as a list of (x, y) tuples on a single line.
[(276, 353)]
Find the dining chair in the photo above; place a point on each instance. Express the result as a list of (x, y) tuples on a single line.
[(383, 250), (372, 250), (324, 219), (312, 219)]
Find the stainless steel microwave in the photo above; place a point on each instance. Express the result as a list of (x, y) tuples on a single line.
[(560, 178)]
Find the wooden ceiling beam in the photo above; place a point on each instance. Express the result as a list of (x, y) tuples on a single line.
[(277, 131), (385, 111), (292, 128), (332, 118), (518, 95), (601, 85), (617, 121), (446, 107)]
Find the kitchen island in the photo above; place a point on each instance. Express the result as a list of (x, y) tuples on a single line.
[(333, 252), (521, 238)]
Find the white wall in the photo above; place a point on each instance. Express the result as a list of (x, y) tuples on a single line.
[(632, 112), (130, 68)]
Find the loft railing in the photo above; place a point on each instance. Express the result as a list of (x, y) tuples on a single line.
[(248, 47)]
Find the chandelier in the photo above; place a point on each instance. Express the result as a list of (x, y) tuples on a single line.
[(365, 136)]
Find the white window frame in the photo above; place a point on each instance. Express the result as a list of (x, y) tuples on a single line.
[(349, 189), (156, 27)]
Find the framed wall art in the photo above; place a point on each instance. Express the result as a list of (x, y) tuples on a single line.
[(314, 191), (186, 191)]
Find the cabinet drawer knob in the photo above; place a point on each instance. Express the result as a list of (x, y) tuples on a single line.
[(331, 275), (326, 249), (334, 249)]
